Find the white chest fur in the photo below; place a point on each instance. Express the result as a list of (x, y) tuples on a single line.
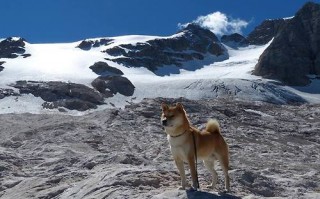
[(178, 146)]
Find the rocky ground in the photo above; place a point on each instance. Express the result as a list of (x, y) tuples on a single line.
[(123, 153)]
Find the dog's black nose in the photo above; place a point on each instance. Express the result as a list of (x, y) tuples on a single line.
[(164, 122)]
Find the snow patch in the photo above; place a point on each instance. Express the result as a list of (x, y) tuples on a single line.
[(51, 62), (65, 62), (21, 104), (287, 18), (257, 112)]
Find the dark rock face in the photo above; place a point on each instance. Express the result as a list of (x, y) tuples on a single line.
[(111, 85), (71, 104), (61, 94), (88, 44), (1, 67), (11, 48), (234, 40), (70, 95), (111, 81), (263, 33), (26, 55), (295, 51), (7, 92), (102, 68), (193, 44)]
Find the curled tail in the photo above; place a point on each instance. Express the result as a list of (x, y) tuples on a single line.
[(213, 126)]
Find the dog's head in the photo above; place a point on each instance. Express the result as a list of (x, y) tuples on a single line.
[(173, 116)]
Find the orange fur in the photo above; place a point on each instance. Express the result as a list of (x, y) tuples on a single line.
[(210, 144)]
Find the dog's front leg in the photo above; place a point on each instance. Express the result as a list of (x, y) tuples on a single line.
[(180, 167), (193, 171)]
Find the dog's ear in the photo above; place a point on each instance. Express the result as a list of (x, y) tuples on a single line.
[(164, 107), (179, 106)]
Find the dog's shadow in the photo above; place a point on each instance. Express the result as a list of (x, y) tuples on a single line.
[(206, 195)]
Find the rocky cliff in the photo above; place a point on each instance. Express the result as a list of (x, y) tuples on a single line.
[(191, 43), (263, 33), (60, 95), (294, 53), (88, 44), (12, 48)]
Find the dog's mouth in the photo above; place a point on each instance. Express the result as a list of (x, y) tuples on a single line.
[(166, 125)]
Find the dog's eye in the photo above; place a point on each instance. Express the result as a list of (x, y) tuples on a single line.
[(168, 116)]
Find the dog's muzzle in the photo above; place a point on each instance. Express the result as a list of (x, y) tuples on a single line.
[(164, 122)]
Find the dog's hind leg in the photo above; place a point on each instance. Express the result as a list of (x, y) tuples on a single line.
[(180, 166), (209, 164), (224, 162)]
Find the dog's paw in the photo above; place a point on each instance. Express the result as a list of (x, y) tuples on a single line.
[(181, 188), (227, 190), (193, 189)]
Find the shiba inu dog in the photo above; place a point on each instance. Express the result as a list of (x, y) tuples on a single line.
[(188, 143)]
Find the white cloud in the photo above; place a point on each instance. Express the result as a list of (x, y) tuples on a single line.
[(220, 24)]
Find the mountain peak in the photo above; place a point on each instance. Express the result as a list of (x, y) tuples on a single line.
[(310, 6), (263, 33), (195, 29), (309, 10), (234, 40)]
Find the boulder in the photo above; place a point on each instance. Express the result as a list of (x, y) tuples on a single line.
[(294, 53), (111, 85), (71, 104), (102, 68)]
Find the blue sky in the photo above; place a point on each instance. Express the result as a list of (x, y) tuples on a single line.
[(47, 21)]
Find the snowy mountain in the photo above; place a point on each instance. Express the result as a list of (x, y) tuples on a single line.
[(114, 71), (84, 117)]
